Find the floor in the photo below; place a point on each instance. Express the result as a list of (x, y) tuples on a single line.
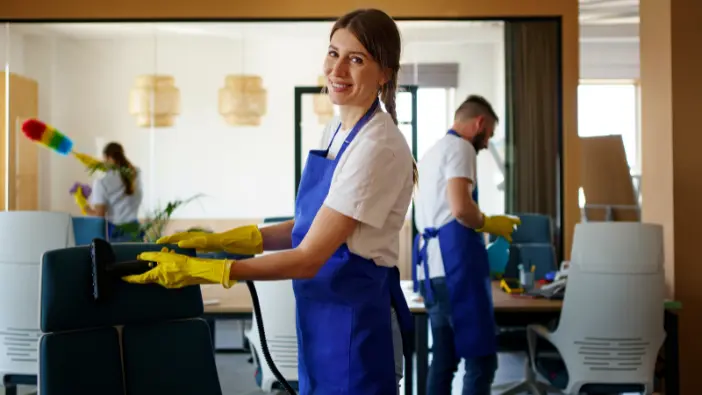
[(239, 380), (237, 375)]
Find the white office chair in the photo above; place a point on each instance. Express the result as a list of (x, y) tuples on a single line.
[(24, 237), (611, 325), (277, 302)]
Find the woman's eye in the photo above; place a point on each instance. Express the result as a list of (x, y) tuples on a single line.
[(333, 54), (357, 59)]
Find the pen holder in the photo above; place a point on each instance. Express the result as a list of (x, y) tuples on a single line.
[(526, 278)]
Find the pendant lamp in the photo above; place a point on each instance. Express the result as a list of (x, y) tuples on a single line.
[(323, 106), (242, 100), (154, 101)]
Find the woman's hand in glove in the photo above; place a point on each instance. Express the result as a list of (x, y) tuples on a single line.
[(244, 240), (178, 271)]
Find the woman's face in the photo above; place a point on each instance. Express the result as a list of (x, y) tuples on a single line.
[(353, 77)]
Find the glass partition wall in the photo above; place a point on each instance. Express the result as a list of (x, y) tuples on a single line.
[(207, 109)]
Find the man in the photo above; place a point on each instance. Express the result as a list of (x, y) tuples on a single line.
[(450, 259)]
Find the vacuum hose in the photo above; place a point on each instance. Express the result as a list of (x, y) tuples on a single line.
[(264, 344)]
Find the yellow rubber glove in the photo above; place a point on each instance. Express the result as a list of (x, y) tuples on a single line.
[(244, 240), (80, 200), (178, 271), (500, 225), (87, 160)]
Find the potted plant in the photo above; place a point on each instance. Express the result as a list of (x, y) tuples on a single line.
[(153, 227)]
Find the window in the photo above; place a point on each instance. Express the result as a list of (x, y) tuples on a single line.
[(433, 119), (611, 108), (434, 113)]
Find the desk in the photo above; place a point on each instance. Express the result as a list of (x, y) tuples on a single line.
[(235, 303)]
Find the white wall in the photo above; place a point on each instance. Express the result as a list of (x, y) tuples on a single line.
[(609, 60), (11, 49)]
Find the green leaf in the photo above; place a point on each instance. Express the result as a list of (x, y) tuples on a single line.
[(154, 226)]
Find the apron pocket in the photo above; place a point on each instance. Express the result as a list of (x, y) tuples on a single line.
[(325, 330)]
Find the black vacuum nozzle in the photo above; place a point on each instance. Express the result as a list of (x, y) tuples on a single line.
[(106, 271)]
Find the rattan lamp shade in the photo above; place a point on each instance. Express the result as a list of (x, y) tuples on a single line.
[(323, 106), (242, 101), (154, 101)]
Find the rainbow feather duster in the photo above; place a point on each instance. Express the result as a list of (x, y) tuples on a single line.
[(48, 136), (53, 139)]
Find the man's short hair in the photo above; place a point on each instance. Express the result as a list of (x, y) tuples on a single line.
[(474, 106)]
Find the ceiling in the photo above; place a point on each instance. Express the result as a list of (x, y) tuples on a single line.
[(609, 21), (412, 31), (600, 21), (609, 12)]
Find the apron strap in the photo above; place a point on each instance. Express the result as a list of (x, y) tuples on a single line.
[(404, 316), (331, 140), (357, 127), (419, 256)]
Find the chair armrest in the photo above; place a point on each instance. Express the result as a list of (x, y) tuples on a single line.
[(533, 333)]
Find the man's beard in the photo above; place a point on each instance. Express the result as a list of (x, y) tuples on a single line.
[(480, 141)]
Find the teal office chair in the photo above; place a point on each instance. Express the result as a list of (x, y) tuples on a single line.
[(532, 244), (144, 339), (85, 229)]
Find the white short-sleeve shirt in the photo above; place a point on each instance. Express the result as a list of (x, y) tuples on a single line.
[(109, 191), (373, 184), (451, 157)]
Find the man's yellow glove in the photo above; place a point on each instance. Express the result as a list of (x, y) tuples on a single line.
[(81, 201), (244, 240), (500, 225), (178, 271)]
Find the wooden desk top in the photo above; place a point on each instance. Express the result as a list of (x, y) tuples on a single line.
[(237, 300), (218, 300)]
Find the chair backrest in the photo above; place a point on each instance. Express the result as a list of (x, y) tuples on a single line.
[(85, 229), (616, 247), (24, 236), (145, 339), (611, 325), (532, 244), (535, 228)]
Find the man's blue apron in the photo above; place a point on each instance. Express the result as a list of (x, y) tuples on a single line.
[(344, 330), (468, 280)]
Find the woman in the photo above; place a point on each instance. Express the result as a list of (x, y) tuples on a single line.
[(117, 195), (342, 247)]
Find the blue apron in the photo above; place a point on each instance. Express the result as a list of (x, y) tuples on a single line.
[(344, 330), (468, 281)]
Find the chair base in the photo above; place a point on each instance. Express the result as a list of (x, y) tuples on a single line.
[(530, 384), (10, 382)]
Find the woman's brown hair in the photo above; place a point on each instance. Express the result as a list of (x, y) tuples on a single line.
[(127, 171), (379, 35)]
